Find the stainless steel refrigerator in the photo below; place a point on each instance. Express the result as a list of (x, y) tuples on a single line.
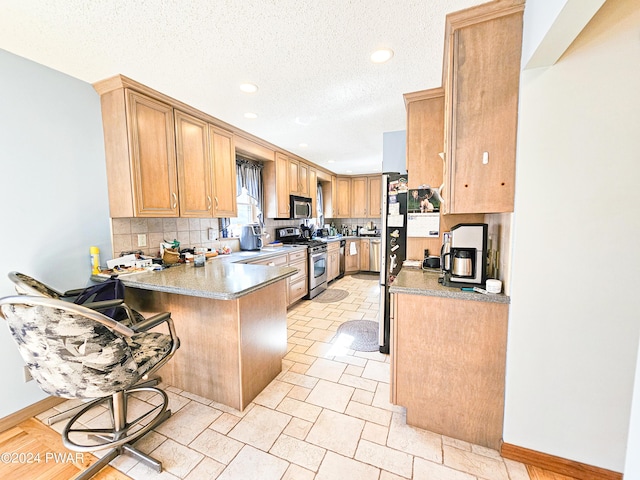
[(393, 236)]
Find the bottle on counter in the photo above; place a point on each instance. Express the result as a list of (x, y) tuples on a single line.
[(95, 260)]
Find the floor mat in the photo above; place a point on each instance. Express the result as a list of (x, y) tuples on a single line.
[(360, 335), (366, 276), (331, 295)]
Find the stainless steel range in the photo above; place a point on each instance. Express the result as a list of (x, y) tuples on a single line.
[(317, 257)]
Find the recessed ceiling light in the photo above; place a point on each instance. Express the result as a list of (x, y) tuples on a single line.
[(331, 161), (304, 145), (250, 115), (248, 87), (349, 171), (382, 55)]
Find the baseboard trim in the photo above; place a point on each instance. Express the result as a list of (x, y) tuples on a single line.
[(32, 410), (557, 464)]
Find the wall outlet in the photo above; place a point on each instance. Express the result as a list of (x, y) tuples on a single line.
[(27, 374), (142, 240), (210, 234)]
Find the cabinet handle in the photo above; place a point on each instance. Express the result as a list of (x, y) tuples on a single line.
[(175, 200), (217, 203), (208, 202)]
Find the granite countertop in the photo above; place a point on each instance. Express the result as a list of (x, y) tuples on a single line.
[(224, 277), (413, 281)]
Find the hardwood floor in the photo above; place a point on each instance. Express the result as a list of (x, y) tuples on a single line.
[(33, 451)]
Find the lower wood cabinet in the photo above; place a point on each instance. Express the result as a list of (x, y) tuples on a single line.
[(448, 365), (297, 284), (365, 244), (333, 260), (352, 260)]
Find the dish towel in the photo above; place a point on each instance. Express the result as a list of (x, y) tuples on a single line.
[(352, 249)]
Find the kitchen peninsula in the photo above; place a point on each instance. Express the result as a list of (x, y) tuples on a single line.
[(231, 319), (448, 356)]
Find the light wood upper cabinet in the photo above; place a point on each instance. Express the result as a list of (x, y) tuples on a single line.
[(343, 197), (425, 137), (303, 180), (374, 209), (276, 187), (194, 166), (224, 172), (140, 155), (359, 197), (294, 170), (482, 72)]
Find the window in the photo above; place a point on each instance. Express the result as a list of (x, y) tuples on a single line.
[(248, 212)]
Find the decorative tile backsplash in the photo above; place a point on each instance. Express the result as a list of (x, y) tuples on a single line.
[(190, 232)]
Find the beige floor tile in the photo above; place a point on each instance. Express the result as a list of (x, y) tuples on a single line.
[(368, 413), (321, 349), (177, 459), (297, 348), (331, 395), (217, 446), (207, 469), (294, 472), (142, 472), (253, 464), (487, 452), (296, 451), (385, 458), (324, 432), (336, 467), (299, 379), (301, 341), (299, 368), (392, 476), (326, 369), (299, 409), (377, 356), (197, 398), (260, 427), (377, 371), (354, 362), (375, 433), (150, 442), (273, 394), (359, 382), (469, 462), (425, 470), (300, 358), (224, 423), (415, 441), (362, 396), (381, 399), (299, 393), (188, 422), (320, 335), (454, 442), (176, 401), (318, 322), (353, 370), (298, 428)]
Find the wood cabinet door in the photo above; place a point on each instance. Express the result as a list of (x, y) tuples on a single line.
[(153, 156), (374, 210), (282, 186), (359, 197), (194, 166), (485, 78), (294, 172), (425, 137), (364, 254), (352, 262), (303, 180), (224, 173), (343, 197)]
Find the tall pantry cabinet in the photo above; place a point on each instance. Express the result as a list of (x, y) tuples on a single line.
[(481, 80)]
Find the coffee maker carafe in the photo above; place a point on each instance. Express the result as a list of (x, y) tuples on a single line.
[(465, 264)]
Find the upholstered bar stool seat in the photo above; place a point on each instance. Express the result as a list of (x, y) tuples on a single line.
[(76, 352)]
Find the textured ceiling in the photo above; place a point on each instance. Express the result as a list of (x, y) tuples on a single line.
[(310, 60)]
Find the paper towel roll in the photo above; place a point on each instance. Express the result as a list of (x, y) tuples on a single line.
[(494, 286)]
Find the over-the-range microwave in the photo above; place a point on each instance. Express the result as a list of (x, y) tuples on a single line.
[(300, 207)]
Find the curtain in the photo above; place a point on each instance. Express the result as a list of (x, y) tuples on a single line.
[(249, 176), (319, 206)]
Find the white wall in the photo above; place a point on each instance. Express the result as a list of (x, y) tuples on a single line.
[(53, 193), (574, 318)]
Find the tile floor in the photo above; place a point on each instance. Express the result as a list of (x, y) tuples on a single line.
[(326, 417)]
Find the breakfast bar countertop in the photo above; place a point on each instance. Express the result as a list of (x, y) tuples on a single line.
[(414, 281), (217, 280)]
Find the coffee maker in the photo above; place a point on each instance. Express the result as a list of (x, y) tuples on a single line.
[(465, 263)]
